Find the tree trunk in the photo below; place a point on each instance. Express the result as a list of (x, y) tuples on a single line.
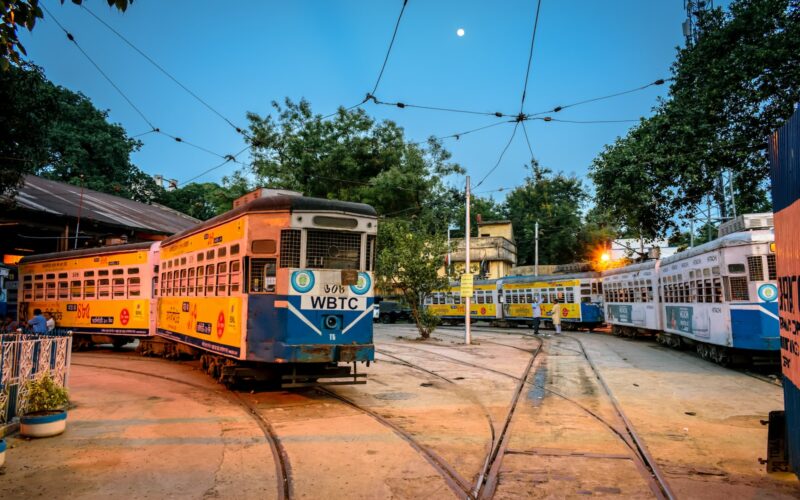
[(424, 331)]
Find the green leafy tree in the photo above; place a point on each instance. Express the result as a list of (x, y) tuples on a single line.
[(555, 201), (411, 266), (731, 89), (208, 199), (348, 157), (53, 132), (24, 13)]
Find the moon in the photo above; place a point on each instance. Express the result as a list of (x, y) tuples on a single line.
[(460, 32)]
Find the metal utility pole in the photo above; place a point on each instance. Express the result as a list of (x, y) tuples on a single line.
[(536, 249), (468, 299), (78, 224), (733, 199)]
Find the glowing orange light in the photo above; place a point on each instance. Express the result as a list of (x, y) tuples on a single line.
[(605, 257)]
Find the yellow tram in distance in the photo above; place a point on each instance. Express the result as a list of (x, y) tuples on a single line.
[(448, 305), (103, 295)]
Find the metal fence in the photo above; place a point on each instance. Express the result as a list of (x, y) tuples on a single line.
[(24, 357)]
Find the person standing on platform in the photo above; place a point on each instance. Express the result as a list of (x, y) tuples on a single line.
[(537, 314), (51, 322), (38, 324), (556, 317)]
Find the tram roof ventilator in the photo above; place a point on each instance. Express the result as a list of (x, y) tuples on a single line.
[(747, 222)]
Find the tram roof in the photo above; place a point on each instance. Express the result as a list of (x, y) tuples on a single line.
[(281, 203), (85, 252), (729, 240), (550, 277), (641, 266)]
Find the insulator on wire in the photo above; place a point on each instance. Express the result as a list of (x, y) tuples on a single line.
[(557, 109)]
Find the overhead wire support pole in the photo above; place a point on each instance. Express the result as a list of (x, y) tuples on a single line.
[(468, 298)]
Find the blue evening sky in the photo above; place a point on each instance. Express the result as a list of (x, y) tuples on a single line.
[(239, 56)]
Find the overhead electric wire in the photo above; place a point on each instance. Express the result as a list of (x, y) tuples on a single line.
[(153, 128), (228, 159), (530, 56), (590, 121), (164, 71), (458, 135), (502, 153), (403, 105), (527, 140), (389, 50), (521, 117), (557, 109)]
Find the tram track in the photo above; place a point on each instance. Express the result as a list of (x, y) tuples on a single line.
[(282, 464), (646, 465), (655, 478)]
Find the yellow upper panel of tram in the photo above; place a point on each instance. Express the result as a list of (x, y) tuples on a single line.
[(209, 238), (457, 288), (90, 262), (541, 284)]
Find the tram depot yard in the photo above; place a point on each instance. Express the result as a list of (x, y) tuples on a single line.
[(592, 415)]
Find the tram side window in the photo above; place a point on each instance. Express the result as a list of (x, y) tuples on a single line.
[(210, 279), (88, 289), (570, 296), (190, 280), (717, 290), (175, 285), (199, 281), (479, 299), (772, 269), (168, 284), (709, 291), (118, 287), (103, 288), (183, 282), (489, 298), (222, 278), (755, 266), (75, 289), (134, 287), (262, 275), (235, 274), (63, 289), (739, 288), (50, 288)]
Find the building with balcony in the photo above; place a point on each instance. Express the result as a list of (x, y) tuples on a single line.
[(492, 253)]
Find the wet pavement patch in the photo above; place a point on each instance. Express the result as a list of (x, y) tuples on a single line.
[(537, 392), (394, 396)]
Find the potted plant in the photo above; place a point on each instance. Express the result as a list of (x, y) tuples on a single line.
[(45, 412)]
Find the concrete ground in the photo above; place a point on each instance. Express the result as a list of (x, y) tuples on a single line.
[(422, 426)]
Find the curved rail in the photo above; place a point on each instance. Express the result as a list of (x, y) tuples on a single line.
[(282, 467)]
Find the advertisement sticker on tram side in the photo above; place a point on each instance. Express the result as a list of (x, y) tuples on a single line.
[(620, 313), (212, 323), (129, 317), (679, 318)]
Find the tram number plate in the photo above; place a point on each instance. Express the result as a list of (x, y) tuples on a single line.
[(330, 303), (333, 289)]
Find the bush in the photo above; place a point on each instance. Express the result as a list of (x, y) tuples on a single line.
[(44, 394)]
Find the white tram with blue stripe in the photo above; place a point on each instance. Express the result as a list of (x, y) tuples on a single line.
[(719, 298)]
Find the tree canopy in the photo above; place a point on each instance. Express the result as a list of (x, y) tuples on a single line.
[(48, 130), (730, 90)]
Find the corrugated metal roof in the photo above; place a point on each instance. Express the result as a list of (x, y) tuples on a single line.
[(43, 195)]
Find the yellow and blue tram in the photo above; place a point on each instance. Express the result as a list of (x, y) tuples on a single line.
[(282, 286)]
